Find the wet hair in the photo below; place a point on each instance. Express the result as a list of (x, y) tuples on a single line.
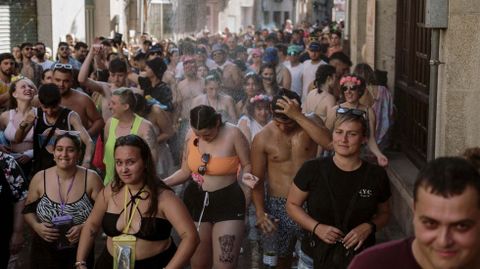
[(117, 66), (80, 44), (342, 57), (349, 117), (40, 43), (282, 48), (126, 97), (142, 107), (155, 185), (323, 72), (447, 177), (13, 86), (279, 96), (49, 95), (214, 75), (257, 79), (77, 144), (366, 72), (204, 117)]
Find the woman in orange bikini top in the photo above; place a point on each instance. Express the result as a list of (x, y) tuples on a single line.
[(213, 157)]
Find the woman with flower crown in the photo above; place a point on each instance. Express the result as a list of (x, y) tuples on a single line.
[(258, 115), (352, 88)]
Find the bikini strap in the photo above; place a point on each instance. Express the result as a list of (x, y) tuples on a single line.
[(86, 174), (44, 182)]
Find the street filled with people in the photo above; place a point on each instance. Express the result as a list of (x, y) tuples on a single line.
[(182, 154)]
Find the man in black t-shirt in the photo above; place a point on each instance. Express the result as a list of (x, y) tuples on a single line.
[(446, 221)]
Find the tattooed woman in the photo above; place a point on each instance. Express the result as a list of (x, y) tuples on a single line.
[(123, 122), (213, 155), (138, 207)]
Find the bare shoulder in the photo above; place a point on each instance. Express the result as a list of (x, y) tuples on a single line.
[(80, 94)]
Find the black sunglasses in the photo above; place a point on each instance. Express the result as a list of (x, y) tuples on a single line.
[(203, 168), (351, 111), (352, 88)]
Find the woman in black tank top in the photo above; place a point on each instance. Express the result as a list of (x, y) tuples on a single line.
[(138, 204)]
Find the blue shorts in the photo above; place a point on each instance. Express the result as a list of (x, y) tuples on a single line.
[(288, 231)]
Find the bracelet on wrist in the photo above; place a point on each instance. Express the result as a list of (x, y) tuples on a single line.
[(315, 227)]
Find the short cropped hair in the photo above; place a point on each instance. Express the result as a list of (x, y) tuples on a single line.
[(447, 177)]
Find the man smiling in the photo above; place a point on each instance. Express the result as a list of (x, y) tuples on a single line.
[(446, 222)]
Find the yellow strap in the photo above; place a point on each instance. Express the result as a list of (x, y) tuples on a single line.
[(129, 219)]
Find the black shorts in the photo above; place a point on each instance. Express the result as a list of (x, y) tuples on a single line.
[(158, 261), (223, 204)]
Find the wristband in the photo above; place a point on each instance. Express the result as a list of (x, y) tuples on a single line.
[(315, 227), (373, 225)]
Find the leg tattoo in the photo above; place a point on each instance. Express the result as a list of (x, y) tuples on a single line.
[(226, 244)]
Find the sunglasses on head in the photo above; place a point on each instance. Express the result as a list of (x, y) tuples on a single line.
[(62, 66), (203, 168), (351, 111)]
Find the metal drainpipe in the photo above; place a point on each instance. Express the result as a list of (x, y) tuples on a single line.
[(432, 97)]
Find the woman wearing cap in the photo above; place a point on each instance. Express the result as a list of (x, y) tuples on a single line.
[(353, 87), (252, 85), (21, 94), (59, 201), (214, 153), (346, 198), (213, 97)]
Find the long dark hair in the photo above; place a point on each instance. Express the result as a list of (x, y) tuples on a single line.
[(204, 117), (154, 184)]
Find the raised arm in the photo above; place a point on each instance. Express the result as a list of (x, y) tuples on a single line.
[(83, 78), (84, 136), (312, 125)]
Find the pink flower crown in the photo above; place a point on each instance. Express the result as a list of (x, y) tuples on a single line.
[(353, 80), (260, 97)]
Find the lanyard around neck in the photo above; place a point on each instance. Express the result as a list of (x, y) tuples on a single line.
[(135, 200), (62, 202)]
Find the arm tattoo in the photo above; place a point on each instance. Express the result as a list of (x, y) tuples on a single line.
[(227, 243), (151, 139)]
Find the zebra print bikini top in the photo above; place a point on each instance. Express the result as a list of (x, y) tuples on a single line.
[(79, 210)]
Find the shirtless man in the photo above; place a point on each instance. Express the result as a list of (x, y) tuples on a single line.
[(77, 101), (232, 75), (279, 150), (117, 76), (7, 69)]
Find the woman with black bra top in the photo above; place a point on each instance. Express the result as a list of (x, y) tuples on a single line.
[(59, 201), (139, 204)]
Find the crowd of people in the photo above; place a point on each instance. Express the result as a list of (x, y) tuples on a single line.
[(181, 153)]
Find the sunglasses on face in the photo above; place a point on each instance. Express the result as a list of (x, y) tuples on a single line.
[(63, 48), (351, 111), (352, 88), (203, 168), (27, 48), (62, 66)]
